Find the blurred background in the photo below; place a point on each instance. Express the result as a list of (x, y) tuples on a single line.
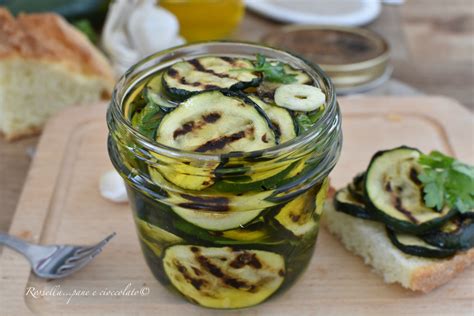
[(431, 43), (391, 47)]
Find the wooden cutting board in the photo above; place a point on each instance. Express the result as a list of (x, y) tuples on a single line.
[(60, 203)]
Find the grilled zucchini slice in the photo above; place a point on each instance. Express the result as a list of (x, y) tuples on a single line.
[(214, 122), (283, 125), (186, 78), (224, 277), (154, 93), (457, 233), (415, 246), (345, 202), (300, 76), (246, 234), (185, 175), (260, 180), (356, 187), (155, 237), (217, 220), (297, 216), (395, 194)]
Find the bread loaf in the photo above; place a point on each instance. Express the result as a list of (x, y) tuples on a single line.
[(45, 66)]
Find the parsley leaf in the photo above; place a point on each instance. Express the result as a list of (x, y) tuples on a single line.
[(306, 121), (148, 119), (274, 72), (447, 181)]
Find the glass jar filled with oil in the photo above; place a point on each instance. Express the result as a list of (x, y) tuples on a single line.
[(203, 20)]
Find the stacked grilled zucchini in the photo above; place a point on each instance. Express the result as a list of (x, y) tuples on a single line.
[(389, 191), (218, 233), (215, 264)]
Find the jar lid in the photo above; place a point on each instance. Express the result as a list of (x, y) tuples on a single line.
[(355, 59)]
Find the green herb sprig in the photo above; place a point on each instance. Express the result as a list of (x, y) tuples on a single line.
[(274, 72), (148, 119), (306, 121), (447, 181), (86, 27)]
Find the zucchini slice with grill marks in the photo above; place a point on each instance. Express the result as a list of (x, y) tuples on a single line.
[(457, 233), (297, 216), (282, 121), (415, 246), (345, 202), (154, 92), (216, 122), (261, 180), (155, 237), (224, 277), (212, 212), (356, 187), (395, 194), (186, 78), (185, 175)]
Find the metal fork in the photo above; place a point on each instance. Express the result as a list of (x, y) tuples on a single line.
[(55, 261)]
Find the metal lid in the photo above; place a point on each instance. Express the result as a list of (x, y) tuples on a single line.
[(356, 59)]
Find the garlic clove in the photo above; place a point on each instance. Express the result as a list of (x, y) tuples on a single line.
[(112, 187), (152, 28)]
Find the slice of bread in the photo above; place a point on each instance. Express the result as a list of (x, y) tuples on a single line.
[(368, 239), (45, 65)]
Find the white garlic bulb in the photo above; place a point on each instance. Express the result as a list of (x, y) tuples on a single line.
[(135, 29)]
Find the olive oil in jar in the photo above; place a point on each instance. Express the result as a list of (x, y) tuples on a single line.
[(202, 20)]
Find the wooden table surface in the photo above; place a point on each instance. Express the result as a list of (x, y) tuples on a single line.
[(432, 49)]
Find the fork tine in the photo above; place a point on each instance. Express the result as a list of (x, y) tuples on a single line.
[(99, 244), (90, 252), (70, 267), (81, 259)]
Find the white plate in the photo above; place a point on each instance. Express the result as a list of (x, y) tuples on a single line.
[(319, 12)]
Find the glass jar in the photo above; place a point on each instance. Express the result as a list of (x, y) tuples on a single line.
[(244, 239), (204, 20)]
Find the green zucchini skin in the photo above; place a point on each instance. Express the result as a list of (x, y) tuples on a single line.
[(282, 120), (356, 187), (153, 92), (187, 78), (457, 234), (420, 248), (345, 202), (236, 186), (391, 214)]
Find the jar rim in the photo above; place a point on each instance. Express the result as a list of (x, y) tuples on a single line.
[(326, 119)]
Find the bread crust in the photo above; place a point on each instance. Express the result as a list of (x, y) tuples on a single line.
[(31, 131), (425, 279), (48, 37)]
